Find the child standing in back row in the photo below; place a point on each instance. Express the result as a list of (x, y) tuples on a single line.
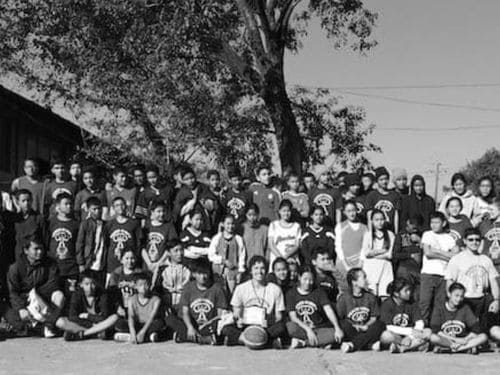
[(300, 201), (264, 196), (254, 233)]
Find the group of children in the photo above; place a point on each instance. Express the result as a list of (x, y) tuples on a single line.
[(353, 263)]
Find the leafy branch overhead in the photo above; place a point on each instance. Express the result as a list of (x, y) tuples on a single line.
[(203, 76)]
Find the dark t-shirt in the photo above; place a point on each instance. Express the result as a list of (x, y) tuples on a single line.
[(329, 285), (157, 238), (457, 230), (404, 315), (236, 203), (121, 237), (203, 304), (387, 203), (308, 307), (329, 199), (80, 206), (62, 245), (454, 323), (358, 310)]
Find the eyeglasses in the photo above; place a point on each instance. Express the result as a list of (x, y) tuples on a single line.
[(474, 239)]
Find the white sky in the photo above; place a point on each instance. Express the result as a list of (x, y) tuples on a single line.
[(421, 42)]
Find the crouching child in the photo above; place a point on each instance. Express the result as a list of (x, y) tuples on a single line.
[(202, 303)]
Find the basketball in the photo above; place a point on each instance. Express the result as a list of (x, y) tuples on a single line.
[(255, 337)]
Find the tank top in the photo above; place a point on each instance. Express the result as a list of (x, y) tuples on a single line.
[(351, 242)]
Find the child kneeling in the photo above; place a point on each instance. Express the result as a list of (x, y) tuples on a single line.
[(144, 322), (313, 321), (454, 326), (203, 302)]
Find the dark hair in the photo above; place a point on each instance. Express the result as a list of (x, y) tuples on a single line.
[(385, 231), (279, 260), (23, 192), (397, 285), (257, 259), (253, 206), (128, 250), (142, 276), (119, 170), (292, 174), (187, 170), (87, 274), (320, 251), (201, 265), (456, 286), (116, 199), (315, 208), (174, 242), (307, 268), (308, 174), (353, 275), (472, 231), (88, 169), (285, 203), (455, 199), (28, 240), (348, 202), (195, 212), (62, 196), (152, 168), (93, 201), (234, 172), (456, 177), (228, 216), (155, 204), (56, 161), (437, 215), (491, 196), (212, 172), (261, 167), (416, 220), (137, 167), (33, 159)]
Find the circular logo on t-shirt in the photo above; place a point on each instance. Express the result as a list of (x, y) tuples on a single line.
[(201, 307), (305, 309), (235, 205), (493, 235), (359, 315), (323, 200), (120, 236), (62, 236), (385, 206), (453, 327), (360, 207), (456, 236), (60, 190), (401, 320)]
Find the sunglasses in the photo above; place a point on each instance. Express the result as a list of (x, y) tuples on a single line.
[(474, 239)]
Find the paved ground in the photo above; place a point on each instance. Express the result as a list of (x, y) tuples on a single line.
[(44, 356)]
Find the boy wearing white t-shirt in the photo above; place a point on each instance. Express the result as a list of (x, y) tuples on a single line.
[(438, 247)]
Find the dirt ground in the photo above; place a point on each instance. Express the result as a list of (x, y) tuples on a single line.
[(55, 356)]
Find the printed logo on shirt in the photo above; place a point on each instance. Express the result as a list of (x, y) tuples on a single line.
[(154, 240), (385, 206), (62, 236), (359, 315), (453, 327), (456, 236), (60, 190), (201, 307), (305, 309), (360, 207), (401, 320), (493, 235), (323, 200), (120, 237), (235, 205), (477, 279)]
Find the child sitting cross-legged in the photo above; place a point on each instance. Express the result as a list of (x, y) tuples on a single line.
[(144, 321), (203, 302), (89, 311)]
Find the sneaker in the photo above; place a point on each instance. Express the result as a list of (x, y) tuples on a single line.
[(297, 343), (393, 348), (376, 347), (122, 337), (207, 340), (277, 344), (154, 337), (48, 333), (73, 336), (346, 347)]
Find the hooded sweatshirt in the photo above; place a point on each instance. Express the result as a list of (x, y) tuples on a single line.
[(468, 201), (414, 205)]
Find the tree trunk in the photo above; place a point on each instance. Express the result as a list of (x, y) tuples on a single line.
[(291, 146)]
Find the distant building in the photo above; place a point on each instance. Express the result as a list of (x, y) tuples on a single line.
[(27, 129)]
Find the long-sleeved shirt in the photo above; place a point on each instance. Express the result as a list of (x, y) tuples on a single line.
[(96, 313), (90, 244), (22, 277), (224, 248)]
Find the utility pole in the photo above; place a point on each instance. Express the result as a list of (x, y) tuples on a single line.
[(436, 189)]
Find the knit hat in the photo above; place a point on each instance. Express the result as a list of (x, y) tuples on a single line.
[(352, 179), (381, 171), (398, 173)]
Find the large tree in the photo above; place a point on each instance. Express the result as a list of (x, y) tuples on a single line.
[(190, 75), (487, 165)]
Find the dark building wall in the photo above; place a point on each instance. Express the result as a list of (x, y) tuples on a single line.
[(27, 129)]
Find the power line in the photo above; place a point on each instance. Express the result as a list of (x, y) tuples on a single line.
[(456, 128), (404, 87)]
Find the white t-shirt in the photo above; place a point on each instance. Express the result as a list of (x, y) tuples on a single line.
[(472, 271), (270, 297), (282, 236), (442, 241)]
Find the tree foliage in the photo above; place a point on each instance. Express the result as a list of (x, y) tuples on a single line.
[(189, 77), (486, 165)]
